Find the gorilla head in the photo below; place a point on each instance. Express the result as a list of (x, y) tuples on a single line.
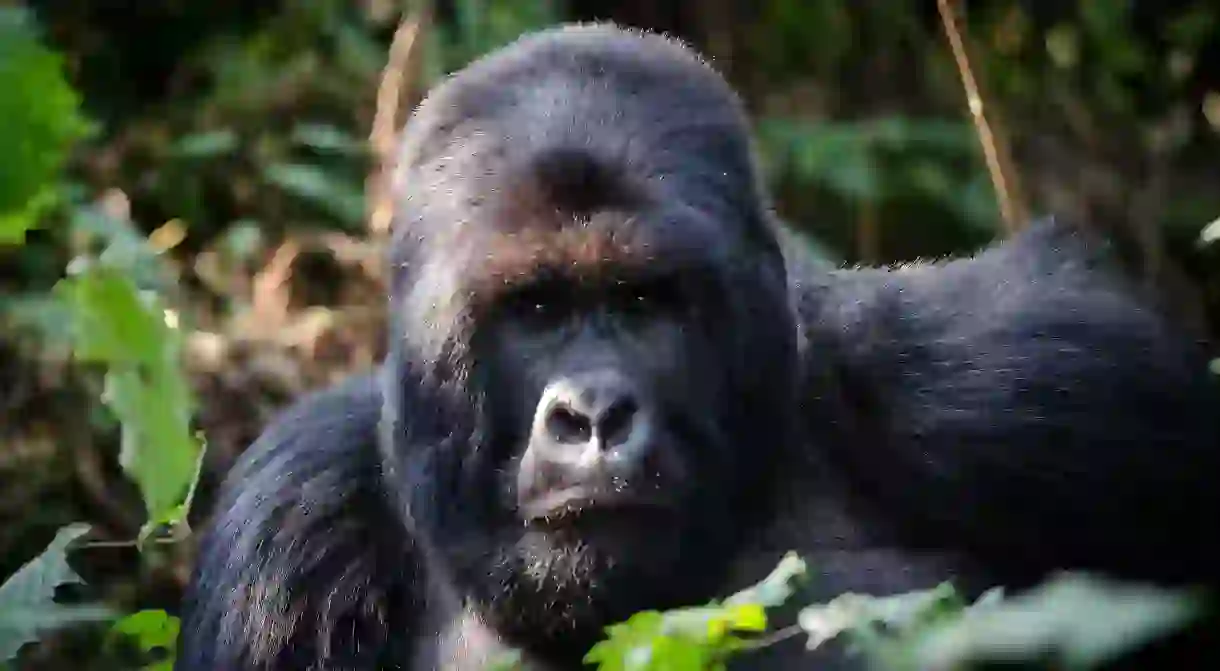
[(593, 341)]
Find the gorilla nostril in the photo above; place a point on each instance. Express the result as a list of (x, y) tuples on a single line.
[(617, 421), (568, 426)]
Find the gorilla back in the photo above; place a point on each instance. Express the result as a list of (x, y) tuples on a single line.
[(610, 388)]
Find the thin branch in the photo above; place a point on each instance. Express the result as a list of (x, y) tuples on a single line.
[(773, 638), (384, 133), (995, 150)]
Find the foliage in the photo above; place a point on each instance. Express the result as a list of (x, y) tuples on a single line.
[(114, 324), (479, 27), (117, 325), (885, 159), (128, 331), (695, 638), (154, 631), (27, 599), (39, 109), (1074, 621)]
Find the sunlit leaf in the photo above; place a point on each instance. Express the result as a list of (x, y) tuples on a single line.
[(116, 324), (150, 629), (41, 122), (1210, 233), (852, 612), (776, 588)]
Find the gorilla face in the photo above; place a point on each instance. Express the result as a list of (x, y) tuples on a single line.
[(612, 425)]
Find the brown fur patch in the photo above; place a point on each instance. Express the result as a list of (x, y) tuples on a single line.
[(584, 254)]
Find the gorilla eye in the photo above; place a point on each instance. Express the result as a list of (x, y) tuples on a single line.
[(537, 306), (651, 297), (538, 311)]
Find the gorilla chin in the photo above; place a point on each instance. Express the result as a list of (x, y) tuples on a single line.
[(596, 568)]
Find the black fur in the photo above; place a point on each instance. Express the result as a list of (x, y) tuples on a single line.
[(986, 419)]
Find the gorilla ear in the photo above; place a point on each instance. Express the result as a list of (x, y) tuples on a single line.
[(576, 182)]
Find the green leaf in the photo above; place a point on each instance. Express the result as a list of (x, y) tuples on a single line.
[(1076, 621), (858, 613), (116, 325), (124, 247), (776, 588), (325, 137), (151, 629), (158, 452), (313, 184), (629, 640), (41, 122), (27, 598), (111, 321), (699, 637), (208, 144), (175, 516), (1210, 233), (14, 224), (840, 157)]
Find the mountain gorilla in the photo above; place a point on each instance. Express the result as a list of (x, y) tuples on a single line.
[(612, 386)]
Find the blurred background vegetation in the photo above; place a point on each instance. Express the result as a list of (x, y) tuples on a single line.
[(235, 137)]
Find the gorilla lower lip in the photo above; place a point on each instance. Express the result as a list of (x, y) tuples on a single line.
[(563, 509)]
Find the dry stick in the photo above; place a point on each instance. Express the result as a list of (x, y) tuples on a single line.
[(384, 133), (995, 150)]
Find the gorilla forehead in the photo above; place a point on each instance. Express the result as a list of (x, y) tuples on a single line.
[(648, 109), (599, 75)]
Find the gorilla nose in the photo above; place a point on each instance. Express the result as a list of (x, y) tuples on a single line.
[(569, 426), (598, 407), (591, 436)]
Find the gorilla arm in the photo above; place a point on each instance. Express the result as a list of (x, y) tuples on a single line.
[(1022, 406), (302, 563)]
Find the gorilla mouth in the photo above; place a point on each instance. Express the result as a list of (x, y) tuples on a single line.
[(570, 508)]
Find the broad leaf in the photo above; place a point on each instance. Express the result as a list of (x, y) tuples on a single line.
[(41, 122), (128, 331), (27, 599), (1077, 621)]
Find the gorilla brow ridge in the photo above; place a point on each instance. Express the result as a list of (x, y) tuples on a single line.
[(584, 255)]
